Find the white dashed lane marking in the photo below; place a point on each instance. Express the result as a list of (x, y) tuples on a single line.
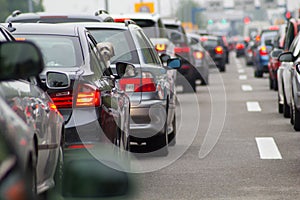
[(253, 106), (267, 148), (242, 77), (246, 88), (241, 71)]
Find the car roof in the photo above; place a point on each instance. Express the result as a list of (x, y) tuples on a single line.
[(53, 29), (113, 25), (171, 21), (39, 16), (147, 16)]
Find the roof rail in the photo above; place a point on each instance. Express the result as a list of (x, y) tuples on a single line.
[(16, 13), (129, 21)]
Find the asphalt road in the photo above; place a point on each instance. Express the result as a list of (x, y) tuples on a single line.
[(231, 144)]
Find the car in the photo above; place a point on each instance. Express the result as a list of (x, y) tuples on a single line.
[(95, 111), (261, 50), (240, 47), (17, 145), (212, 44), (48, 17), (284, 70), (249, 53), (292, 56), (149, 88), (202, 58), (37, 110), (273, 64)]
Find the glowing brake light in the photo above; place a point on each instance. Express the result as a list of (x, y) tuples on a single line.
[(80, 146), (239, 46), (263, 51), (160, 47), (88, 95), (219, 50), (198, 55), (121, 20), (182, 49)]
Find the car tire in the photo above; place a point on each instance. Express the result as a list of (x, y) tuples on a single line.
[(296, 116), (275, 85), (158, 145), (280, 106), (222, 68), (172, 135), (258, 74), (271, 84), (286, 108)]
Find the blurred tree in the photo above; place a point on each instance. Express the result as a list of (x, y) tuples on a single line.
[(184, 11), (7, 6)]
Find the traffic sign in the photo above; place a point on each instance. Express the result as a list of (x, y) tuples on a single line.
[(147, 7)]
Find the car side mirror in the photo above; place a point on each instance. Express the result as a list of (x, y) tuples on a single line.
[(125, 70), (276, 53), (174, 63), (57, 80), (164, 57), (286, 57), (175, 36), (20, 60)]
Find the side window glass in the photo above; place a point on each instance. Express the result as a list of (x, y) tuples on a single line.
[(2, 36), (148, 54)]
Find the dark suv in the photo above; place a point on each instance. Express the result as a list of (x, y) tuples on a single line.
[(93, 108)]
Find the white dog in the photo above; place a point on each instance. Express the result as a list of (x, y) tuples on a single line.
[(106, 51)]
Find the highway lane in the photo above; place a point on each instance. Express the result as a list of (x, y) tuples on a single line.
[(255, 156)]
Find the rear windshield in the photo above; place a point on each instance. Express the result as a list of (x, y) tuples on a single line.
[(150, 28), (210, 43), (122, 42), (57, 51)]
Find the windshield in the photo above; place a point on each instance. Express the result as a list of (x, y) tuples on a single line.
[(58, 51)]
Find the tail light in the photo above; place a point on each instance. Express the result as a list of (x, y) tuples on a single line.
[(219, 50), (240, 46), (80, 146), (144, 84), (121, 20), (86, 96), (161, 47), (198, 55), (263, 51), (182, 49)]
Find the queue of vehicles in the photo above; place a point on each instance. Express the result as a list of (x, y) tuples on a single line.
[(90, 80)]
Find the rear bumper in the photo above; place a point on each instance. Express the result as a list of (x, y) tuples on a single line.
[(147, 119)]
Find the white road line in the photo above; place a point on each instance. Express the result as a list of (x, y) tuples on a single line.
[(253, 106), (246, 88), (267, 148), (242, 77), (241, 71)]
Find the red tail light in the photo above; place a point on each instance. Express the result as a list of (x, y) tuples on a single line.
[(182, 49), (121, 20), (198, 55), (87, 95), (240, 46), (137, 85), (161, 47), (80, 146), (219, 50), (263, 51)]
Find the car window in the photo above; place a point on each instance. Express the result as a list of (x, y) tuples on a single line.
[(148, 53), (295, 47), (58, 51), (289, 36), (121, 41)]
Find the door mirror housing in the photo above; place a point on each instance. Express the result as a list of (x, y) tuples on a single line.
[(164, 57), (20, 60), (57, 80), (286, 57), (174, 63), (125, 70), (276, 53)]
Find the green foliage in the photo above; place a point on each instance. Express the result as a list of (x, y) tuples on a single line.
[(7, 6)]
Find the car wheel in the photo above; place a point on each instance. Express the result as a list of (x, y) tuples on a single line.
[(258, 73), (286, 108), (296, 116), (275, 84), (271, 85), (172, 135), (222, 68), (280, 106)]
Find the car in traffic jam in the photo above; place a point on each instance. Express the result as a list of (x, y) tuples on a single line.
[(149, 100)]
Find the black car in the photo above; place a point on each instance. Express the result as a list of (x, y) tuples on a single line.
[(36, 109), (93, 108), (214, 46)]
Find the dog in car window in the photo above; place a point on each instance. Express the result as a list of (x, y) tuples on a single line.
[(105, 53)]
